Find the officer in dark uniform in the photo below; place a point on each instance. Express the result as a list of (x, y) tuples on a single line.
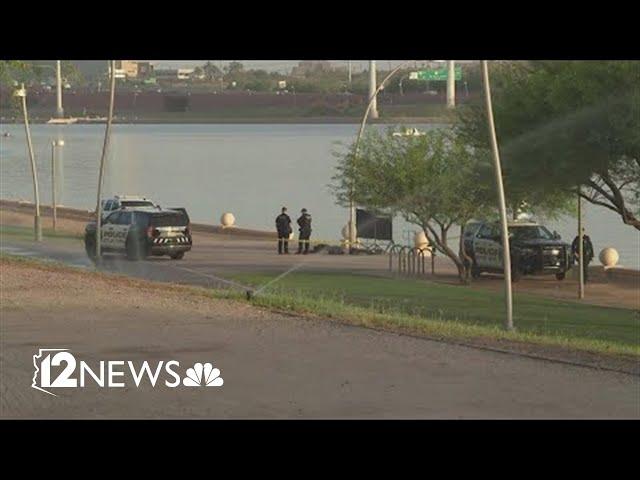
[(283, 226), (587, 252), (304, 222)]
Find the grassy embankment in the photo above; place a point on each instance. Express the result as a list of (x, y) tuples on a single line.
[(26, 233), (449, 311)]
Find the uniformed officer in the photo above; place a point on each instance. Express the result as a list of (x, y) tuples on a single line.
[(283, 226), (304, 222), (587, 252)]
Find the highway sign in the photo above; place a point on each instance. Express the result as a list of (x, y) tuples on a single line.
[(440, 74)]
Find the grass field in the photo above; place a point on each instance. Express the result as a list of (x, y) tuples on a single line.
[(26, 233), (598, 328)]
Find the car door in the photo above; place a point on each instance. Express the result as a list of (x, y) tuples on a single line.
[(494, 248), (481, 246), (108, 230), (121, 230), (487, 247)]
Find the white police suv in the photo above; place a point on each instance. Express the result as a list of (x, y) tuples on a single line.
[(139, 232)]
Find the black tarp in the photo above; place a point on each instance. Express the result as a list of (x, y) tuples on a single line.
[(369, 225)]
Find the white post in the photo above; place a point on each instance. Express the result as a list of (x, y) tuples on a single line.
[(580, 250), (53, 184), (373, 89), (501, 200), (349, 72), (59, 109), (105, 146), (451, 84), (22, 93)]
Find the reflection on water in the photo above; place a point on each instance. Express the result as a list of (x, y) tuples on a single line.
[(250, 170)]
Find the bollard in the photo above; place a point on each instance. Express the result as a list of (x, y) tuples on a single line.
[(227, 220)]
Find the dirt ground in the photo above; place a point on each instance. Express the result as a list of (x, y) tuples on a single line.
[(273, 365)]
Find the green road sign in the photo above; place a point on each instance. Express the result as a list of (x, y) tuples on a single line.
[(435, 75)]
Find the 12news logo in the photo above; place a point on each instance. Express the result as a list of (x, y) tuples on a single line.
[(58, 368)]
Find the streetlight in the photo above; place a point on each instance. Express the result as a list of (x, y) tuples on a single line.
[(54, 144), (372, 97), (22, 93), (580, 249), (501, 201), (451, 84), (105, 146)]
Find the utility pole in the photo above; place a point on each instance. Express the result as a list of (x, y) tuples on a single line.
[(54, 144), (349, 67), (105, 146), (501, 200), (372, 89), (451, 84), (580, 249), (22, 93), (59, 109)]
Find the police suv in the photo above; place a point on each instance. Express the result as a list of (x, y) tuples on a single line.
[(534, 250), (121, 201), (142, 231)]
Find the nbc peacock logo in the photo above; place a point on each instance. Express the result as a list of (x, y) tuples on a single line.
[(203, 375)]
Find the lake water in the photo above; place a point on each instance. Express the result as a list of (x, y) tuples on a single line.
[(249, 170)]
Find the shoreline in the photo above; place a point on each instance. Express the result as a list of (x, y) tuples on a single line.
[(256, 120)]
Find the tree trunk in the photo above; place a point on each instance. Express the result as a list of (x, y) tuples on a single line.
[(441, 243), (466, 259)]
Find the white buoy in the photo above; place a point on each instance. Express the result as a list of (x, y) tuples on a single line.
[(227, 220), (609, 257)]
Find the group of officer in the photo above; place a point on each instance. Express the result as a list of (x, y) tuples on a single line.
[(283, 226)]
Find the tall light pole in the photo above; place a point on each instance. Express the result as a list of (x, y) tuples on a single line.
[(356, 150), (451, 84), (105, 147), (501, 200), (22, 94), (373, 92), (580, 249), (54, 144), (59, 109)]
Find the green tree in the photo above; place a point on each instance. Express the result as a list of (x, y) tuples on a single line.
[(211, 72), (564, 126), (234, 67), (432, 181), (15, 71)]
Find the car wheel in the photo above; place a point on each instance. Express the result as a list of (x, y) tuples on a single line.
[(475, 271), (90, 248), (516, 273), (561, 275), (177, 256)]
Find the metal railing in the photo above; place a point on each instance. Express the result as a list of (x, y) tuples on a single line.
[(410, 260)]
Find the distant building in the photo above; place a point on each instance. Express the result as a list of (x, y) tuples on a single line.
[(145, 69), (132, 69), (166, 74), (310, 66), (185, 73)]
